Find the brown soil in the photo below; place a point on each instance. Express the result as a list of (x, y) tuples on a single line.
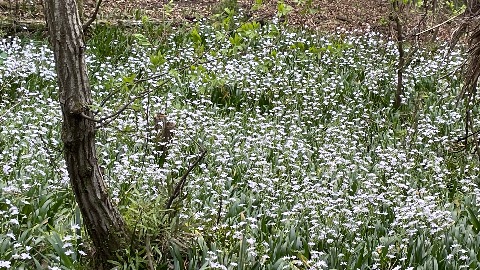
[(321, 15)]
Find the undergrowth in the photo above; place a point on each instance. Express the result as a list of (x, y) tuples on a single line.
[(308, 164)]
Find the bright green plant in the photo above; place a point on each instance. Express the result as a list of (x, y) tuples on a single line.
[(283, 9)]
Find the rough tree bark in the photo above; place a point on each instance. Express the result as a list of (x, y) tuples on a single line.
[(103, 222)]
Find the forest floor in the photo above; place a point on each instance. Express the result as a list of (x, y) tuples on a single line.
[(319, 15)]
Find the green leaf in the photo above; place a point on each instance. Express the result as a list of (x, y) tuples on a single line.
[(141, 40), (195, 36), (57, 245), (283, 9), (3, 56), (474, 220), (236, 40), (257, 5), (129, 79), (157, 59)]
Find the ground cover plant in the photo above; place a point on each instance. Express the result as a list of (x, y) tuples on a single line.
[(308, 164)]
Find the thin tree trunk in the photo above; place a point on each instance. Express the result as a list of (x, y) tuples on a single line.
[(401, 54), (472, 72), (103, 222), (81, 10)]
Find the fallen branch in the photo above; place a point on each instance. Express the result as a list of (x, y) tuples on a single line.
[(438, 25), (39, 25), (22, 26)]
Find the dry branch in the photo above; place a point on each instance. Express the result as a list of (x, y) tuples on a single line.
[(93, 17), (181, 183)]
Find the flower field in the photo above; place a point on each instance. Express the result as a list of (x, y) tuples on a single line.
[(308, 164)]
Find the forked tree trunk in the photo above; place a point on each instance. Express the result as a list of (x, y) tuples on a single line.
[(103, 222)]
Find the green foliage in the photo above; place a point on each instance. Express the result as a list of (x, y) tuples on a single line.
[(38, 219), (3, 56), (157, 33), (308, 165), (226, 7), (283, 9), (257, 5), (455, 6), (308, 7), (141, 40), (249, 29), (110, 42)]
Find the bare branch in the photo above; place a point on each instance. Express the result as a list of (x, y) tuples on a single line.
[(181, 183), (464, 138), (93, 17), (90, 118), (108, 119), (104, 101)]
